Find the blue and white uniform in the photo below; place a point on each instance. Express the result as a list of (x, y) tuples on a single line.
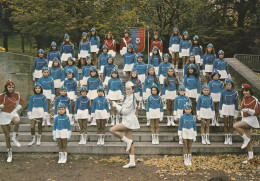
[(186, 67), (154, 107), (141, 69), (38, 106), (66, 101), (156, 62), (192, 85), (169, 91), (228, 105), (205, 107), (197, 50), (85, 74), (174, 43), (56, 74), (94, 44), (47, 87), (61, 127), (75, 71), (129, 61), (187, 126), (82, 108), (92, 85), (184, 48), (84, 49), (163, 68), (51, 55), (102, 61), (115, 89), (147, 86), (179, 103), (221, 66), (216, 87), (207, 62), (72, 88), (100, 108), (39, 63), (66, 51), (107, 73), (138, 90)]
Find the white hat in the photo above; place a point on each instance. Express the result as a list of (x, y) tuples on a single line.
[(129, 84)]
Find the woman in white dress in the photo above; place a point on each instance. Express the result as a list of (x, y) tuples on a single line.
[(129, 122)]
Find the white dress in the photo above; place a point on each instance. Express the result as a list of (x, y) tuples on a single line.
[(128, 109)]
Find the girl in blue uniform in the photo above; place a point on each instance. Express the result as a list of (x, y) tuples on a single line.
[(190, 61), (174, 46), (56, 73), (72, 91), (53, 53), (66, 50), (94, 46), (197, 50), (84, 48), (141, 67), (192, 83), (102, 61), (71, 66), (169, 93), (100, 112), (85, 74), (36, 112), (138, 89), (82, 113), (221, 66), (61, 132), (38, 64), (154, 112), (207, 62), (179, 103), (187, 131), (228, 109), (215, 87), (107, 70), (163, 67), (115, 92), (129, 60), (185, 45), (155, 59), (47, 84), (205, 112)]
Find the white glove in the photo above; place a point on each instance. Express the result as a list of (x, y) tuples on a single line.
[(93, 115), (114, 104), (229, 76), (89, 119), (1, 107), (198, 95), (46, 116), (251, 112), (245, 110), (161, 116), (194, 139), (204, 73), (61, 83), (124, 73), (122, 98), (52, 98), (163, 98), (180, 134), (236, 114), (54, 136), (76, 117), (18, 107), (198, 117), (161, 119), (147, 115), (29, 114), (97, 51), (75, 98), (55, 116), (221, 116)]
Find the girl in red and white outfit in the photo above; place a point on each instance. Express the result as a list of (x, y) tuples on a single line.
[(249, 111), (156, 41), (10, 103), (110, 43), (124, 42)]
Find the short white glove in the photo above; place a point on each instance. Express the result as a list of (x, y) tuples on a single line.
[(29, 114), (251, 112), (76, 117), (161, 116), (124, 73), (147, 115), (229, 76), (180, 134), (198, 117), (221, 116), (194, 139), (236, 114), (18, 107), (114, 104), (54, 136), (198, 95), (245, 110), (52, 98), (93, 115), (1, 107), (204, 73)]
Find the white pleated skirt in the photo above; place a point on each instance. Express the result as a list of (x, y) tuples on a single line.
[(63, 134), (83, 114), (93, 48), (154, 113), (128, 67), (37, 112), (208, 68), (141, 77), (47, 94), (147, 93), (101, 114), (57, 83), (185, 52), (206, 113), (83, 54), (84, 80), (64, 57), (175, 48), (223, 74), (228, 110), (188, 133), (114, 95), (198, 59), (170, 95), (191, 93), (71, 95), (37, 74), (137, 96), (179, 113), (92, 94), (6, 118), (215, 96), (130, 121), (161, 79), (101, 69), (251, 121), (156, 70), (112, 52), (106, 81)]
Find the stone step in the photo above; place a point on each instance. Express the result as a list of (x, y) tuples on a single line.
[(137, 137), (141, 148)]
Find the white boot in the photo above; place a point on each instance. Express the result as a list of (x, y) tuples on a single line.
[(226, 139), (189, 160), (85, 136), (99, 139), (164, 105), (207, 139), (180, 140), (142, 105), (64, 157), (117, 119), (38, 140), (33, 141), (203, 139), (112, 120), (216, 121), (153, 139), (60, 157), (185, 159), (128, 143), (48, 120), (172, 121), (168, 120), (148, 122), (102, 142), (131, 162), (14, 139), (157, 139), (245, 142), (43, 122), (250, 157), (230, 139), (81, 139), (213, 121), (93, 122), (10, 156)]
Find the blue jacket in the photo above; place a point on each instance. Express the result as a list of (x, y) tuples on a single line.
[(208, 59), (216, 86), (115, 84), (39, 63), (84, 46), (65, 100), (154, 102), (67, 48), (192, 82), (94, 41), (149, 82), (52, 54), (56, 73), (197, 50), (187, 121), (180, 101), (229, 97), (141, 68), (82, 103), (163, 68), (185, 44), (129, 58), (85, 71), (38, 100), (107, 70), (220, 64), (205, 102), (138, 88), (171, 87), (100, 103), (102, 60), (47, 83), (71, 85), (186, 69), (155, 62), (61, 122), (175, 39), (93, 83), (75, 71)]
